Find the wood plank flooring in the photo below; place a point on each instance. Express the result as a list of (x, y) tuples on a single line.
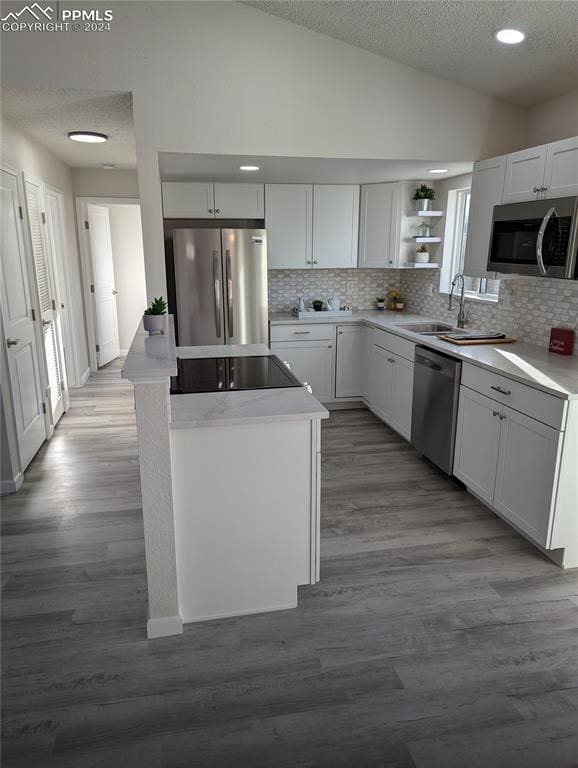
[(437, 638)]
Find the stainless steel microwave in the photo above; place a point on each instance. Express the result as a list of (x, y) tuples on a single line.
[(536, 238)]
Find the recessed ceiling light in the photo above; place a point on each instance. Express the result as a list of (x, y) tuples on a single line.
[(108, 166), (509, 36), (438, 170), (248, 167), (89, 137)]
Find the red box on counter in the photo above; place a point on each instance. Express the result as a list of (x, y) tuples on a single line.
[(561, 340)]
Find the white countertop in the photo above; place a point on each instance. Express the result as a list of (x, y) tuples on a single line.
[(151, 358), (526, 363), (220, 409)]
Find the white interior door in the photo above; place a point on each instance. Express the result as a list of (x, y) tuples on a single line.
[(47, 298), (22, 352), (103, 286)]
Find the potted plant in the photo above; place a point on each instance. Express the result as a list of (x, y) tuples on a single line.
[(424, 195), (380, 301), (155, 317), (391, 299), (399, 303), (422, 255)]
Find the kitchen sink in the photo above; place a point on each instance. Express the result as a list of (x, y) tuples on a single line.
[(428, 329)]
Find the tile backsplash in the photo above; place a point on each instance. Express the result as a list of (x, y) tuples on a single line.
[(527, 307), (358, 287)]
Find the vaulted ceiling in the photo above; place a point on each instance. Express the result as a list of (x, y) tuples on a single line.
[(453, 39)]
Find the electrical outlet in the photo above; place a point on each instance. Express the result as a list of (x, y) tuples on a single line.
[(429, 290), (349, 287)]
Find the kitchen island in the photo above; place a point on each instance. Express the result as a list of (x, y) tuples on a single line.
[(230, 483)]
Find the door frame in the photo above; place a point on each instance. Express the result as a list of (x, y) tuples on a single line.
[(86, 264)]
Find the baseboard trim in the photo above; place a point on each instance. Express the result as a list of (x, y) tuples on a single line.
[(11, 486), (164, 627), (84, 378), (248, 612)]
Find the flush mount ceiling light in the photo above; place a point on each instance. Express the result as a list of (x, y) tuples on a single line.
[(108, 166), (438, 170), (248, 167), (509, 36), (88, 137)]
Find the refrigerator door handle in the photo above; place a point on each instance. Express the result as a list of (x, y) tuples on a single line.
[(217, 286), (229, 294)]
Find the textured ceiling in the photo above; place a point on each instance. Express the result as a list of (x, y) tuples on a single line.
[(453, 39), (300, 170), (47, 116)]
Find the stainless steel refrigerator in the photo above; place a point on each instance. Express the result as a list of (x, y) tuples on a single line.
[(220, 282)]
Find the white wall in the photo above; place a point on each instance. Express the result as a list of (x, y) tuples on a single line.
[(129, 272), (223, 78), (24, 154), (95, 182), (553, 120)]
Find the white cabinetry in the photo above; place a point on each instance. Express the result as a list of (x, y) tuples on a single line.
[(391, 390), (487, 191), (310, 351), (527, 473), (239, 201), (204, 200), (477, 440), (547, 171), (513, 461), (351, 361), (379, 226), (288, 218), (187, 200), (525, 174), (335, 225), (561, 174)]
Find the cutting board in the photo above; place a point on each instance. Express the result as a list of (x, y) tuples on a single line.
[(471, 342)]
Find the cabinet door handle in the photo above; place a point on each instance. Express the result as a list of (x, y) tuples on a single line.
[(501, 391), (496, 413), (211, 210), (217, 210), (391, 360), (12, 342), (301, 333), (536, 189), (502, 417), (315, 262)]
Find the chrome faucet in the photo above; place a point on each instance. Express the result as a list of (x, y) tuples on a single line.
[(462, 315)]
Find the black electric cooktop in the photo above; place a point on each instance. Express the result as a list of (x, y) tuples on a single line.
[(231, 374)]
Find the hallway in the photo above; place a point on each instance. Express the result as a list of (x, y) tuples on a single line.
[(437, 637)]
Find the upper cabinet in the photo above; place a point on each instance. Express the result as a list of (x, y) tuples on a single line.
[(379, 230), (487, 191), (547, 171), (335, 225), (289, 222), (239, 201), (561, 174), (525, 175), (187, 200), (201, 200)]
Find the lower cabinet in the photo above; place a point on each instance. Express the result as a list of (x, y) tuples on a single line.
[(477, 441), (312, 362), (527, 473), (510, 461), (351, 361), (391, 391)]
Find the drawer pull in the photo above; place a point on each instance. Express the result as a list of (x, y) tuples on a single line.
[(496, 413), (301, 333), (501, 391)]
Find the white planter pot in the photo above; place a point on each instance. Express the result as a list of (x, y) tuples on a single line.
[(155, 324), (421, 257)]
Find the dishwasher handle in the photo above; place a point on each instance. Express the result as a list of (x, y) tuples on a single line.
[(428, 364)]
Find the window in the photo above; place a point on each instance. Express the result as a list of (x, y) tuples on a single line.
[(456, 234)]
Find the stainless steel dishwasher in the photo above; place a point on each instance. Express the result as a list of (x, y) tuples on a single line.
[(436, 387)]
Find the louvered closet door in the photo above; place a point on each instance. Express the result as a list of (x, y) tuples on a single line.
[(47, 298)]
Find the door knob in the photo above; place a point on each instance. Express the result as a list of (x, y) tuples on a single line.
[(46, 322), (12, 342), (114, 292)]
